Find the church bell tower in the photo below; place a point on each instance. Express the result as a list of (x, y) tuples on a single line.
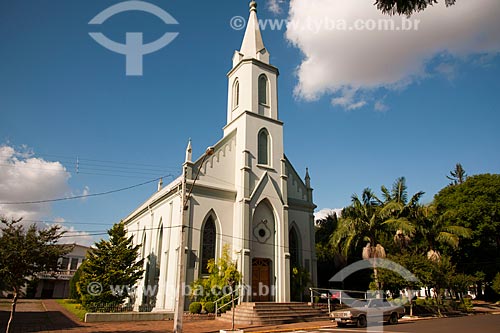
[(252, 81)]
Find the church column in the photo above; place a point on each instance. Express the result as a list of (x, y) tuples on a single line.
[(245, 218), (285, 248), (314, 268), (162, 280)]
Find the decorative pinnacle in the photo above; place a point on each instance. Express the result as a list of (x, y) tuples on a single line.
[(253, 6)]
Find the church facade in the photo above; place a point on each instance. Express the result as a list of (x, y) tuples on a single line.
[(243, 193)]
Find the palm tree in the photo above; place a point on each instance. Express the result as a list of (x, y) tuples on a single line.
[(435, 230), (399, 211), (361, 221)]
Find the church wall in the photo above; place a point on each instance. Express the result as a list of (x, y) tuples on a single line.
[(219, 168), (300, 218), (223, 211), (159, 275)]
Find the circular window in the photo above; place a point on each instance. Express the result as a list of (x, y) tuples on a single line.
[(261, 232)]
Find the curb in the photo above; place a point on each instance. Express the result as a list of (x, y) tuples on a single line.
[(296, 329)]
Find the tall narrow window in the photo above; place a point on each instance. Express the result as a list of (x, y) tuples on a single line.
[(293, 241), (208, 244), (263, 90), (236, 94), (159, 246), (263, 146)]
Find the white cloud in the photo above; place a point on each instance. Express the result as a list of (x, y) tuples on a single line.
[(380, 106), (73, 236), (350, 64), (24, 177), (323, 213), (274, 6)]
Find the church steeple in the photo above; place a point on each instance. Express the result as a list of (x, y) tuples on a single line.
[(252, 80), (253, 45)]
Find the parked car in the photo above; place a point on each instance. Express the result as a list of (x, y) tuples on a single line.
[(362, 311)]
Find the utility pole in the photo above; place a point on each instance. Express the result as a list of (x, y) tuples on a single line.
[(181, 273)]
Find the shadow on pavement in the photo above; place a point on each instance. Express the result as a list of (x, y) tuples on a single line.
[(34, 321)]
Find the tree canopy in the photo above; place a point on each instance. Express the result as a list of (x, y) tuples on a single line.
[(26, 252), (475, 204), (110, 270), (407, 7)]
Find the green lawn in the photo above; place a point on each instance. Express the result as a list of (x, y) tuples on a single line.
[(73, 307)]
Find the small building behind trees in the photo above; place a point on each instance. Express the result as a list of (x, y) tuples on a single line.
[(56, 284)]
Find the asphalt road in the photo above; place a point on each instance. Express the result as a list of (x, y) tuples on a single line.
[(478, 323)]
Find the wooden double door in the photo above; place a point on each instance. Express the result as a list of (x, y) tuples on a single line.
[(261, 280)]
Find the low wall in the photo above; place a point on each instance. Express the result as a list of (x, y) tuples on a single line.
[(92, 317)]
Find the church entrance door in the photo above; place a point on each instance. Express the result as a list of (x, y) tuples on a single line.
[(261, 280)]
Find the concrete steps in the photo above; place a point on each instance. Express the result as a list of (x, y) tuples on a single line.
[(268, 313)]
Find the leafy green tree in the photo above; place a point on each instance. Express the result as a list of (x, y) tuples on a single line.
[(299, 280), (457, 176), (26, 252), (73, 290), (222, 273), (496, 284), (109, 267), (406, 7), (329, 259), (475, 204)]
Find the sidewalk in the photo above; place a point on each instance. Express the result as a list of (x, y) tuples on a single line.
[(49, 316)]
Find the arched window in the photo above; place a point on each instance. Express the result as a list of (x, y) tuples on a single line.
[(143, 245), (263, 93), (159, 246), (293, 241), (208, 244), (236, 94), (263, 146)]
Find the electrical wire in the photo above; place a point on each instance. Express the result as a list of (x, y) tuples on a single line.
[(85, 195)]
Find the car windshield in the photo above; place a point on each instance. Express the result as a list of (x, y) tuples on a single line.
[(359, 304), (378, 303)]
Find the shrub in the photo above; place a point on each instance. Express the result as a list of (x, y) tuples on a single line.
[(467, 305), (420, 301), (195, 307), (209, 307)]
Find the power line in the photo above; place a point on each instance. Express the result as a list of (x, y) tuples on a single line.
[(85, 195)]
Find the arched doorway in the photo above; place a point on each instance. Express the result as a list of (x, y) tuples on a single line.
[(263, 243)]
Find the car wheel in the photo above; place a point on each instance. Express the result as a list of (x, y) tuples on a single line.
[(361, 321), (393, 320)]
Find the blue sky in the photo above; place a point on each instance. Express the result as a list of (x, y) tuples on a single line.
[(360, 108)]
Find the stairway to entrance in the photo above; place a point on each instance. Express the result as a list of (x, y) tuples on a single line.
[(265, 313)]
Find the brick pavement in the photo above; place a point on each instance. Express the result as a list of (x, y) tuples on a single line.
[(49, 316)]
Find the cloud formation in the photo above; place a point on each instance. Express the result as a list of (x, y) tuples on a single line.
[(24, 177), (323, 213), (274, 6), (347, 60)]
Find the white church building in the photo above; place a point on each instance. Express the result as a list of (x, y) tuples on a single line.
[(243, 193)]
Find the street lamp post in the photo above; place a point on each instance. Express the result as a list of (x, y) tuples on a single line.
[(181, 272)]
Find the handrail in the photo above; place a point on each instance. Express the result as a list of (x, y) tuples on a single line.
[(330, 292), (225, 295)]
